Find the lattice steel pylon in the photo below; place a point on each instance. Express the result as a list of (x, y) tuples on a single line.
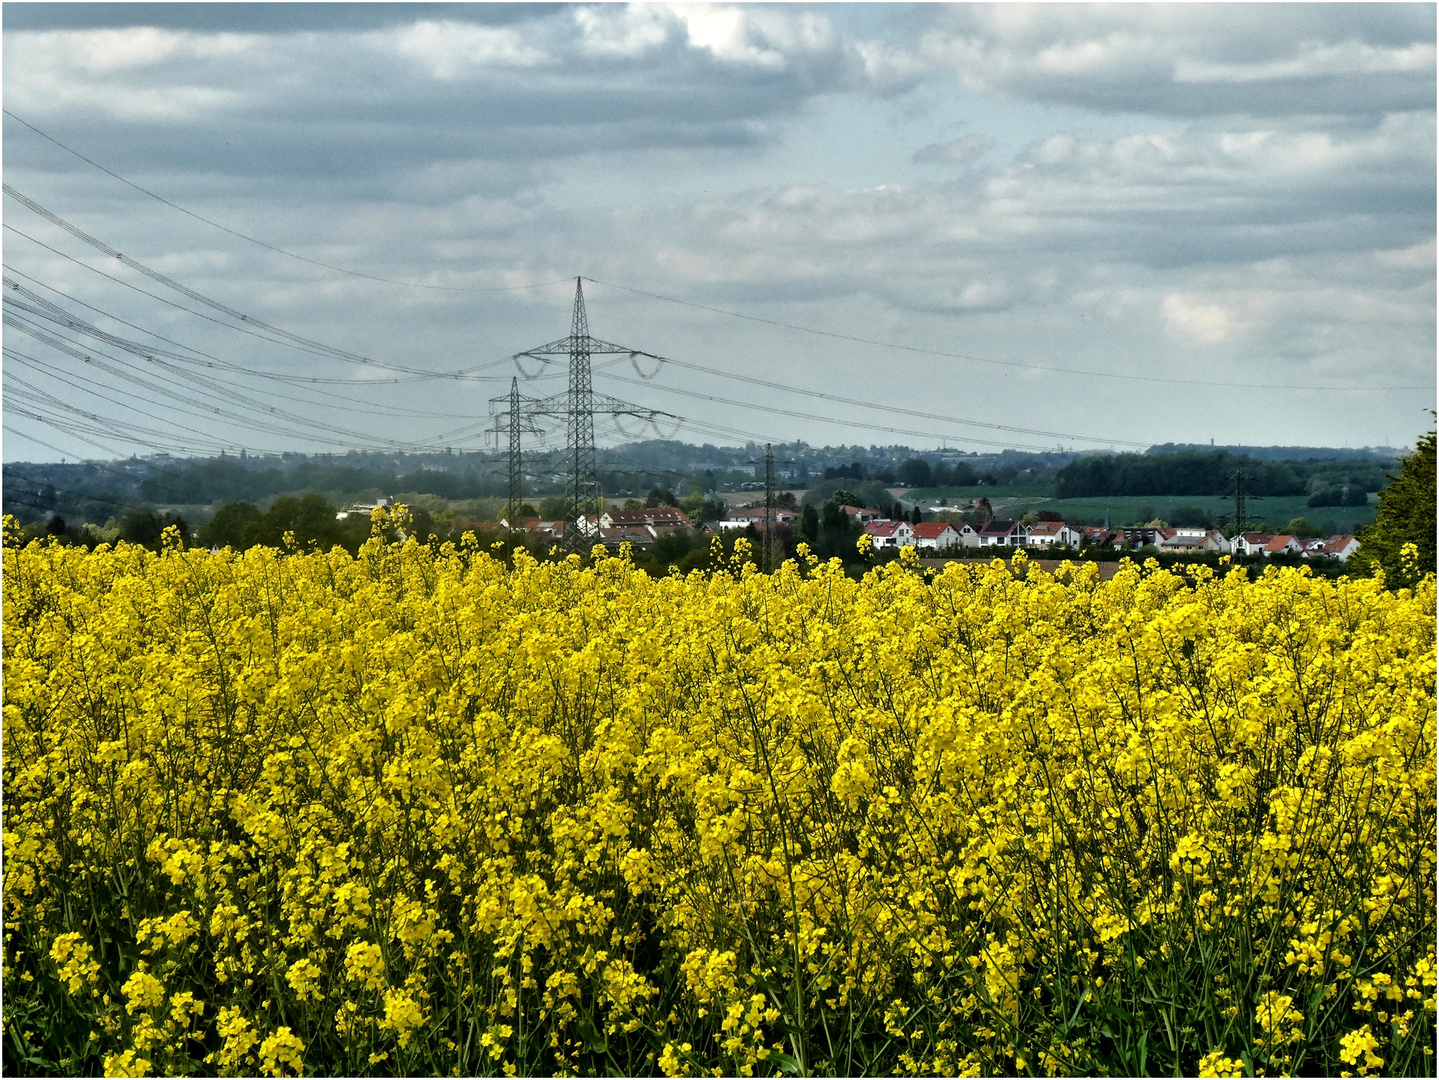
[(769, 537), (515, 466), (578, 408)]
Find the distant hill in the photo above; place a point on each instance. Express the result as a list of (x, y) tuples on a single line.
[(1289, 453)]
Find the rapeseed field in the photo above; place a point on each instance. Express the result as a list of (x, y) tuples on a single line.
[(433, 811)]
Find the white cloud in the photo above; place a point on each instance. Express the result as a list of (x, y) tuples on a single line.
[(1190, 319), (623, 30), (1311, 60), (1191, 59), (452, 50)]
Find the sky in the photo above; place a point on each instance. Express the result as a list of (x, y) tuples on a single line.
[(327, 227)]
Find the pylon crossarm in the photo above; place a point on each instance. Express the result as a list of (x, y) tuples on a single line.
[(606, 404), (595, 345), (561, 347)]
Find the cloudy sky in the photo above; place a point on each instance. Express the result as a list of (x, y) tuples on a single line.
[(969, 225)]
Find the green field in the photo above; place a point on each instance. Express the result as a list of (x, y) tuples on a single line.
[(1274, 512)]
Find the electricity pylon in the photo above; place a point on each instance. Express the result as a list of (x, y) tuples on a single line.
[(771, 542), (512, 421), (577, 407), (768, 509)]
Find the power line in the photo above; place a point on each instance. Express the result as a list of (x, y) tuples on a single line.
[(55, 313), (323, 349), (272, 247), (865, 425), (970, 357), (824, 396)]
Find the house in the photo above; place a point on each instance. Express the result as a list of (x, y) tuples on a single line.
[(1193, 539), (890, 534), (364, 508), (1001, 533), (1138, 536), (755, 515), (1050, 533), (1097, 536), (1250, 543), (641, 536), (1339, 546), (1282, 545), (861, 514), (938, 535), (662, 518)]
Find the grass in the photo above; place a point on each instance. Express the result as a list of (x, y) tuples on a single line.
[(1017, 500)]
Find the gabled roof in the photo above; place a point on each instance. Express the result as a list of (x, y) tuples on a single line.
[(933, 530), (1338, 543), (1278, 543), (1046, 528), (999, 527), (884, 527), (757, 513), (652, 515), (627, 532)]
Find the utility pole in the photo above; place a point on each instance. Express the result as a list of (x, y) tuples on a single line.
[(578, 407), (515, 472), (769, 539), (584, 485), (1239, 521)]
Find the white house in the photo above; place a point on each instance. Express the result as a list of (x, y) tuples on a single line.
[(1340, 546), (1283, 545), (1193, 539), (861, 514), (1250, 543), (1050, 533), (938, 535), (363, 508), (742, 519), (661, 518), (1001, 533), (887, 534)]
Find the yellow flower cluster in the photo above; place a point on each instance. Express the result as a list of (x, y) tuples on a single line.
[(424, 810)]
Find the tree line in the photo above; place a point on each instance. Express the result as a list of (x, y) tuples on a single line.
[(1212, 473)]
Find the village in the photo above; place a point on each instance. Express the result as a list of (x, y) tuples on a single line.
[(641, 527)]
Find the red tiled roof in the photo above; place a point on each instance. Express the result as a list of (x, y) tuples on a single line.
[(932, 530), (883, 528), (653, 515)]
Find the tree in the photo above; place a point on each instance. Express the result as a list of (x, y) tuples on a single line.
[(229, 525), (660, 497), (311, 519), (144, 526), (917, 515), (916, 473), (140, 525), (1405, 516), (809, 525)]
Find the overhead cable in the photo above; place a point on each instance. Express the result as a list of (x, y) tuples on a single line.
[(972, 358), (272, 247)]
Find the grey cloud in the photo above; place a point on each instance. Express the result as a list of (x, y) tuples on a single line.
[(361, 105), (961, 151), (251, 18), (1195, 60)]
